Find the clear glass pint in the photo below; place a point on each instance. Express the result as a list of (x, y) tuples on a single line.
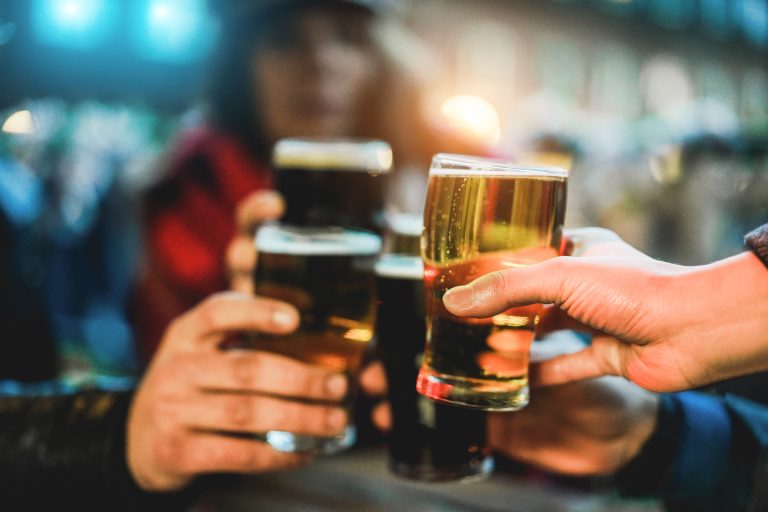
[(480, 216), (328, 275), (429, 441)]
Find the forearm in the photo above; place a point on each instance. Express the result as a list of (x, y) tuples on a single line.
[(68, 450)]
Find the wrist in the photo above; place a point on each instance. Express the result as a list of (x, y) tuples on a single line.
[(723, 317)]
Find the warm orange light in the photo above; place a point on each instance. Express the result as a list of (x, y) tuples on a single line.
[(473, 117), (19, 123)]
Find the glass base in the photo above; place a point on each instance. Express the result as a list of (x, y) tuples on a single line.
[(295, 443), (477, 470), (473, 393)]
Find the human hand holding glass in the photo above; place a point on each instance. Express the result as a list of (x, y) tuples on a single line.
[(665, 327)]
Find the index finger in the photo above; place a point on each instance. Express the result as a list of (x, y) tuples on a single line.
[(259, 207), (224, 313), (264, 373)]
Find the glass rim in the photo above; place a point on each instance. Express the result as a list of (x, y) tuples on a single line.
[(333, 153), (400, 266), (466, 165), (277, 239)]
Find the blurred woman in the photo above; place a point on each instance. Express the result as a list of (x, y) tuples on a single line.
[(286, 68)]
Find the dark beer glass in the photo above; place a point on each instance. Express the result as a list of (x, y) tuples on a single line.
[(429, 441), (337, 183), (481, 216), (328, 275)]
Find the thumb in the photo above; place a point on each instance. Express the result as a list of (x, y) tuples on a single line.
[(540, 283)]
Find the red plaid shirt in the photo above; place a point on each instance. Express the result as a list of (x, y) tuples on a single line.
[(189, 221)]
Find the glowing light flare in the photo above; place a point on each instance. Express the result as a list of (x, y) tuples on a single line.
[(174, 30), (72, 23), (19, 123), (473, 117)]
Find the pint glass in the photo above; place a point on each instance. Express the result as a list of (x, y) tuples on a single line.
[(330, 182), (429, 441), (328, 275), (484, 215)]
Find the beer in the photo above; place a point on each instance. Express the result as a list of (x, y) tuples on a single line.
[(328, 276), (428, 441), (482, 216), (333, 182)]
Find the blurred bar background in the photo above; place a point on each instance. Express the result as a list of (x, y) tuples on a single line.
[(658, 107)]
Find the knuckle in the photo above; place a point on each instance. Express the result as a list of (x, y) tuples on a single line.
[(238, 412), (212, 314), (245, 368)]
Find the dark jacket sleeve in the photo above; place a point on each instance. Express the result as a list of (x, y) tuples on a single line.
[(68, 451), (707, 454)]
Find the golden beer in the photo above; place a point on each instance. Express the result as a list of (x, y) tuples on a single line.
[(481, 216), (328, 275)]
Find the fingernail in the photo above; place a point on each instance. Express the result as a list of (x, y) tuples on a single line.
[(282, 318), (336, 420), (460, 297), (336, 385)]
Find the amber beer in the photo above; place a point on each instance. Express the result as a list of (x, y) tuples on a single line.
[(328, 275), (481, 216), (428, 441), (333, 182)]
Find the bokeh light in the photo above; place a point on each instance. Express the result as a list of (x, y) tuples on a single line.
[(473, 117)]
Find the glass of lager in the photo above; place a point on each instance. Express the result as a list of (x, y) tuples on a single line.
[(331, 182), (484, 215), (429, 441), (328, 275)]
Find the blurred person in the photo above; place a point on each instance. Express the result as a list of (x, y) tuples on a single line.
[(661, 325), (193, 414), (285, 68)]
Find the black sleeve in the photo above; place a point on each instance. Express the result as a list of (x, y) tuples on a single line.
[(68, 452)]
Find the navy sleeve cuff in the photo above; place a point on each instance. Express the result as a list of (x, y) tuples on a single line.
[(704, 446)]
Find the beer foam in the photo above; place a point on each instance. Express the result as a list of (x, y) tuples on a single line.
[(467, 166), (398, 266), (406, 224), (373, 156), (330, 242)]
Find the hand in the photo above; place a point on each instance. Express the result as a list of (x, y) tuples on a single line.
[(589, 428), (373, 382), (193, 392), (257, 208), (665, 327)]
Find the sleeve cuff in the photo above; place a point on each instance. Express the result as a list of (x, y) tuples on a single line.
[(757, 242), (704, 446)]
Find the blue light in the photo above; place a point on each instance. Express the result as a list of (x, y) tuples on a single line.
[(79, 24), (177, 31)]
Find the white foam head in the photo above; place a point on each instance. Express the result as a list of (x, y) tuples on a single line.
[(276, 240), (374, 156), (445, 164), (398, 266), (406, 224)]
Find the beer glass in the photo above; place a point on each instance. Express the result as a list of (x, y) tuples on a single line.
[(328, 275), (484, 215), (429, 441), (331, 182)]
